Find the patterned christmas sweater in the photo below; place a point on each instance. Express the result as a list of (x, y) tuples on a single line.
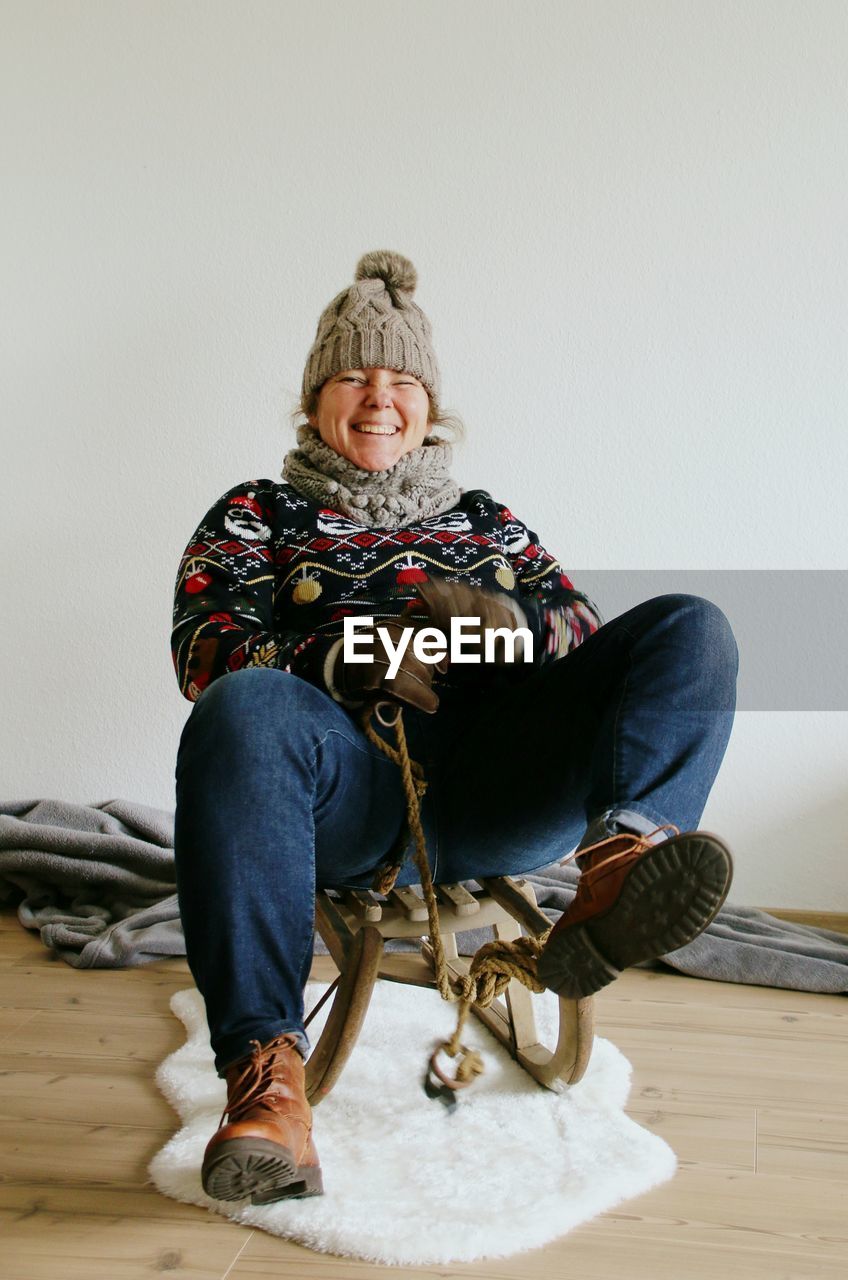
[(269, 576)]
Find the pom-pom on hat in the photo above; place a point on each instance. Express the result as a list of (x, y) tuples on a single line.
[(375, 324)]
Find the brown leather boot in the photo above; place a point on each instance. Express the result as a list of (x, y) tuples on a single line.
[(266, 1150), (635, 900)]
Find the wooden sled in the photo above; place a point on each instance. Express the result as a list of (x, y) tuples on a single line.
[(356, 923)]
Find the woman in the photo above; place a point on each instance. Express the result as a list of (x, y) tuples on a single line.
[(609, 738)]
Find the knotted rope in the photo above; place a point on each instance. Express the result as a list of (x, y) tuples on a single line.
[(495, 963)]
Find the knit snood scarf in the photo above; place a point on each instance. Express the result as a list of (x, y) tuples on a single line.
[(417, 486)]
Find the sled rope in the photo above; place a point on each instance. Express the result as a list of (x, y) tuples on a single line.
[(495, 963)]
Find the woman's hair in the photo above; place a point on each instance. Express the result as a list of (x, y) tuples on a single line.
[(447, 426)]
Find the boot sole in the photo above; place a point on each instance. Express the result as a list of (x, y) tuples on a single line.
[(669, 897), (264, 1171)]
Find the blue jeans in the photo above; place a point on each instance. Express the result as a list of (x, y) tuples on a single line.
[(279, 791)]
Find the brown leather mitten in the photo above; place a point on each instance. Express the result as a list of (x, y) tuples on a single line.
[(369, 682), (445, 600)]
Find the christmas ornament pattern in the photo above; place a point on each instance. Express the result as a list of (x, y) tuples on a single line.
[(269, 576)]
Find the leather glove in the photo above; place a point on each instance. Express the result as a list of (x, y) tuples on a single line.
[(369, 682), (445, 600)]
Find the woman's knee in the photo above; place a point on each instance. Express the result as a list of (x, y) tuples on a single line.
[(705, 626), (253, 689), (247, 705)]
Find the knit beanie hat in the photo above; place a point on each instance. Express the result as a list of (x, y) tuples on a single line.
[(375, 325)]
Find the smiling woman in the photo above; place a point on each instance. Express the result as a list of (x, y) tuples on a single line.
[(372, 417), (607, 738)]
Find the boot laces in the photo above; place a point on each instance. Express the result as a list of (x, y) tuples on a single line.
[(638, 845), (256, 1077)]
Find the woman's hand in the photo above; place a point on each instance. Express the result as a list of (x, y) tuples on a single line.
[(445, 600), (369, 681)]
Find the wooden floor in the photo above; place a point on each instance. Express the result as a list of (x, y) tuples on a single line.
[(747, 1084)]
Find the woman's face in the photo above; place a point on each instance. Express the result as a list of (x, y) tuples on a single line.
[(372, 417)]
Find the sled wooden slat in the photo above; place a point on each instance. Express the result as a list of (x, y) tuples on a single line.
[(458, 897), (396, 923), (363, 903), (411, 903), (513, 896)]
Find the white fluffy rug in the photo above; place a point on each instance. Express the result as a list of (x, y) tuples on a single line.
[(408, 1182)]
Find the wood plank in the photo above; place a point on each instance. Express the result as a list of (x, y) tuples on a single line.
[(604, 1249), (121, 991), (15, 943), (792, 1053), (663, 1075), (666, 986), (103, 1044), (9, 922), (780, 1216), (11, 1020), (45, 1245), (40, 1094), (803, 1144), (766, 1024), (714, 1135), (135, 1197), (74, 1151)]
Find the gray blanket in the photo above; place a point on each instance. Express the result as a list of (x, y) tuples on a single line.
[(98, 882)]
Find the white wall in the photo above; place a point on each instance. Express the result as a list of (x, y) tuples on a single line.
[(629, 221)]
